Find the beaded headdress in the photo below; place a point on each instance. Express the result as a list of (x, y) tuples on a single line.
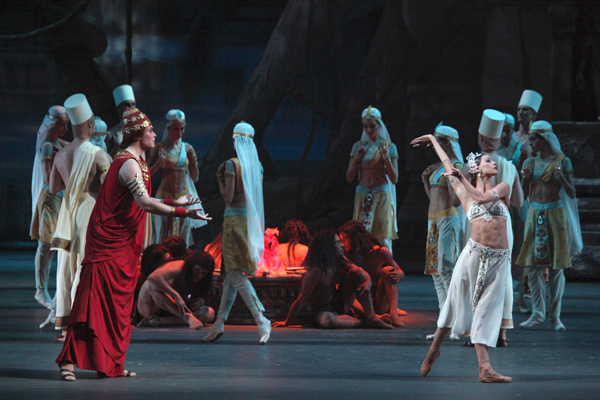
[(472, 161), (134, 121)]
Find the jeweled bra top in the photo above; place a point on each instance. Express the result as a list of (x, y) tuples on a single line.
[(477, 211)]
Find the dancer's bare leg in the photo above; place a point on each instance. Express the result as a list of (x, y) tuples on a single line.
[(356, 286), (165, 302), (329, 320), (486, 372), (389, 298), (434, 351), (205, 314)]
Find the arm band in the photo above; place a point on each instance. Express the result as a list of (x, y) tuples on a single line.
[(104, 170), (496, 198), (168, 202), (178, 212), (136, 186)]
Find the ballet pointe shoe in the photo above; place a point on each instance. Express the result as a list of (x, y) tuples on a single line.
[(264, 328), (216, 331), (429, 361), (530, 323), (558, 325), (488, 375)]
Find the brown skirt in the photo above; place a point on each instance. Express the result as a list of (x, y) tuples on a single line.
[(235, 245)]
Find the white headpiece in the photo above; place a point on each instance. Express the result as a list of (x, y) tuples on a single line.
[(37, 176), (531, 99), (252, 179), (509, 120), (450, 134), (100, 125), (491, 125), (78, 108), (544, 129), (375, 114), (123, 93), (172, 116), (175, 115), (98, 139), (243, 129)]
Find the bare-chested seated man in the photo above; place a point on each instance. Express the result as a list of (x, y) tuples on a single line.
[(326, 267), (365, 250), (293, 244), (178, 288)]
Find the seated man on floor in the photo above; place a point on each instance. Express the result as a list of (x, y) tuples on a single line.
[(153, 257), (365, 250), (173, 294), (293, 244), (328, 268)]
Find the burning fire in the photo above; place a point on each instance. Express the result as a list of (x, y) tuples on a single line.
[(271, 261)]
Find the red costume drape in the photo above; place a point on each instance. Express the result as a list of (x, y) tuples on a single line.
[(99, 333)]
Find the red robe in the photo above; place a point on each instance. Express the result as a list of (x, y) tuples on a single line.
[(99, 330)]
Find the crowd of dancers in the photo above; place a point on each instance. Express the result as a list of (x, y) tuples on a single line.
[(506, 214)]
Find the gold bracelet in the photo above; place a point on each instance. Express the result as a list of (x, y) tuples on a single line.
[(172, 211)]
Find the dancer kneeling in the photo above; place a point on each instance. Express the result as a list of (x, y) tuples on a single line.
[(178, 288), (475, 299), (327, 267), (365, 250)]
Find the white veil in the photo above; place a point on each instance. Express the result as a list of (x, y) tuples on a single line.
[(252, 178), (97, 139), (37, 174), (544, 129), (172, 116), (384, 135)]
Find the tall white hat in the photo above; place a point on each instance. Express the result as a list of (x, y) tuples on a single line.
[(123, 93), (100, 125), (175, 115), (78, 108), (531, 99), (243, 129), (491, 125)]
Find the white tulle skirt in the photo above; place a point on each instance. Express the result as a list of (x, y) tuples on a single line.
[(475, 301)]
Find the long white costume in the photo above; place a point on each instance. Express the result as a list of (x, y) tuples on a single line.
[(71, 231)]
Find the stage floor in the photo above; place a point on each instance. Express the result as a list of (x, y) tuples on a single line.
[(304, 363)]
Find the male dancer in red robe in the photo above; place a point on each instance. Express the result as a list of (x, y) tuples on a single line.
[(99, 331)]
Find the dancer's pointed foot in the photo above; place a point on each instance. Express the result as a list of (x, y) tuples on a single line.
[(432, 355), (50, 319), (264, 329), (216, 331), (558, 325), (488, 375), (43, 297), (530, 323)]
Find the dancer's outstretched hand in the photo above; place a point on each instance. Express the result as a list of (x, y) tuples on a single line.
[(187, 200), (195, 214), (423, 140), (454, 172), (279, 324)]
